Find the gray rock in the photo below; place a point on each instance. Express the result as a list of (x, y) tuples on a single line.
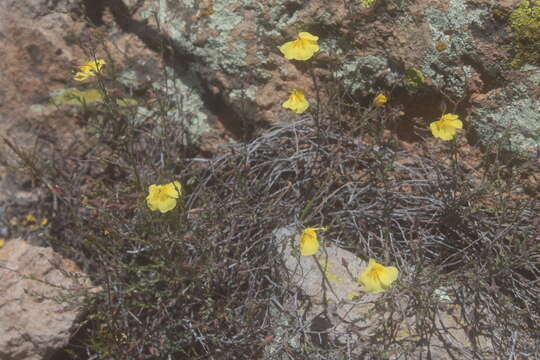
[(362, 73), (447, 69), (508, 119), (328, 278)]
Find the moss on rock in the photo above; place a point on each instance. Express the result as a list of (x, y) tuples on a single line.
[(414, 77), (525, 24)]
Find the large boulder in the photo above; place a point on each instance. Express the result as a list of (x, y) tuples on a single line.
[(42, 297)]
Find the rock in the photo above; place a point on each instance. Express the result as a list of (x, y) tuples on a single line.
[(224, 68), (43, 41), (334, 299), (36, 61), (508, 118), (42, 296), (460, 47), (338, 312)]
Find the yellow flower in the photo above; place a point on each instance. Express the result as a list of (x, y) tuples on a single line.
[(377, 277), (163, 197), (90, 68), (29, 219), (380, 100), (309, 244), (94, 66), (302, 48), (445, 127), (297, 101)]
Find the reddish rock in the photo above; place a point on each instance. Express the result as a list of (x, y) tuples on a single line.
[(42, 296)]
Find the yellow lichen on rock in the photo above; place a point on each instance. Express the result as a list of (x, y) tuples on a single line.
[(367, 3), (525, 24)]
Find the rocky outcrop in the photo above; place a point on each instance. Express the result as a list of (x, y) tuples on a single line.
[(42, 43), (223, 58), (42, 296), (458, 49), (36, 55)]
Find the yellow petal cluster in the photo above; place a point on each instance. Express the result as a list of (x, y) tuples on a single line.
[(163, 197), (302, 48), (297, 101), (377, 278), (309, 244), (89, 69), (380, 100), (445, 128)]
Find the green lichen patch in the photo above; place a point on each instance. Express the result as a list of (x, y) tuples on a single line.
[(74, 96), (525, 24), (414, 77)]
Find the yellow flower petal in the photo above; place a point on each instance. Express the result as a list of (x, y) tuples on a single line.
[(309, 244), (86, 68), (457, 124), (443, 132), (388, 276), (163, 197), (377, 277), (95, 66), (166, 205), (30, 218), (297, 102), (173, 189), (90, 68), (302, 48), (445, 127), (304, 35), (380, 100)]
